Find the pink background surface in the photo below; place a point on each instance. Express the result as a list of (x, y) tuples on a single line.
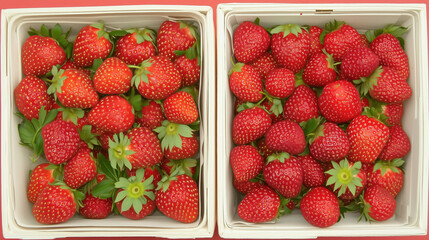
[(213, 3)]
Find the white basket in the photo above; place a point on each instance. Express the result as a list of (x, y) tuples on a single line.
[(17, 219), (412, 203)]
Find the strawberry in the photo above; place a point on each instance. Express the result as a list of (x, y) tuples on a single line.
[(112, 77), (378, 204), (246, 162), (320, 70), (315, 45), (367, 137), (388, 175), (31, 95), (177, 197), (397, 146), (41, 176), (247, 186), (152, 115), (180, 108), (329, 143), (263, 149), (148, 172), (274, 108), (70, 64), (92, 42), (189, 66), (112, 114), (394, 113), (340, 102), (250, 125), (320, 207), (246, 83), (286, 136), (264, 64), (314, 176), (301, 105), (250, 41), (80, 169), (284, 173), (95, 208), (262, 204), (136, 46), (365, 41), (190, 147), (175, 36), (156, 78), (359, 62), (280, 82), (60, 141), (187, 165), (290, 45)]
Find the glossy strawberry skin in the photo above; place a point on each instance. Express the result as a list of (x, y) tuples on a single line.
[(394, 113), (320, 207), (319, 71), (132, 53), (189, 69), (390, 88), (341, 40), (112, 77), (315, 45), (95, 208), (246, 84), (146, 146), (264, 64), (88, 47), (40, 54), (80, 169), (390, 180), (250, 125), (286, 178), (147, 209), (246, 162), (359, 62), (77, 90), (397, 146), (381, 201), (260, 205), (31, 95), (180, 108), (173, 36), (301, 105), (280, 82), (152, 115), (286, 136), (39, 179), (190, 147), (332, 146), (314, 175), (250, 41), (247, 186)]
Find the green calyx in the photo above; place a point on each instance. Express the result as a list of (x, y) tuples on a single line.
[(57, 34), (313, 128), (183, 164), (384, 166), (396, 30), (101, 32), (56, 82), (344, 176), (118, 151), (236, 67), (134, 191), (364, 208), (77, 194), (281, 156), (277, 104), (330, 27), (141, 73), (192, 29), (164, 183), (365, 84), (287, 29), (88, 137), (170, 134)]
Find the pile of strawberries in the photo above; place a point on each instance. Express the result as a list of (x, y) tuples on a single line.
[(318, 121), (115, 116)]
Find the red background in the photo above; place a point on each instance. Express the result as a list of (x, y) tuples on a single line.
[(213, 3)]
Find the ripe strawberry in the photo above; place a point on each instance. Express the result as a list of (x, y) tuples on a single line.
[(30, 96), (320, 70), (290, 45), (157, 78), (92, 42), (378, 204), (314, 175), (280, 82), (264, 64), (315, 45), (246, 162), (284, 173), (286, 136), (338, 38), (262, 204), (394, 113), (95, 208), (69, 64), (148, 172), (173, 36), (397, 146), (329, 143), (263, 149), (367, 137), (180, 108), (104, 139), (246, 83), (112, 114), (189, 69), (41, 176), (80, 169), (187, 165), (112, 77), (320, 207), (365, 41), (388, 175), (340, 102), (359, 62), (346, 180), (177, 197), (247, 186), (152, 115), (250, 125), (136, 46), (60, 141), (274, 108), (189, 148), (301, 105), (250, 41)]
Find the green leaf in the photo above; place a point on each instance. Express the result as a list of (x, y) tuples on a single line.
[(44, 31), (106, 168), (57, 31), (104, 189), (120, 196), (126, 204), (137, 205)]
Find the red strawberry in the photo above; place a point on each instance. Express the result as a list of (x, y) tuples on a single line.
[(320, 207), (359, 62), (301, 105), (180, 108), (41, 176), (246, 83), (388, 175), (284, 173), (340, 102), (286, 136), (152, 115), (92, 42), (60, 141), (250, 125), (188, 166), (262, 204), (31, 95), (112, 114), (264, 64), (378, 204), (104, 139), (178, 198), (247, 186), (80, 169), (246, 162), (189, 148), (250, 41), (274, 109), (175, 36), (157, 78), (263, 149), (290, 45), (69, 64), (112, 77), (314, 175), (394, 113), (397, 146), (189, 69), (367, 137), (365, 40), (280, 82), (315, 45), (320, 70), (148, 172), (95, 208), (329, 143), (136, 46)]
